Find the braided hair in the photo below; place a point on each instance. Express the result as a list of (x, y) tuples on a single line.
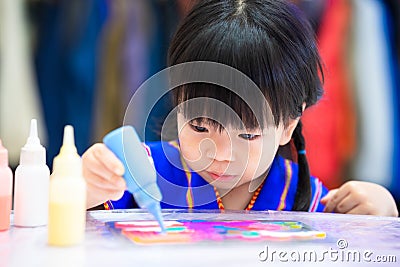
[(303, 194)]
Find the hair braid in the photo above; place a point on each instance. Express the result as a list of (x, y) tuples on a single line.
[(303, 194)]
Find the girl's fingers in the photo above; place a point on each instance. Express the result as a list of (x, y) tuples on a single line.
[(107, 194), (92, 167), (336, 198), (97, 196), (102, 171), (97, 170), (328, 196), (113, 183), (347, 204), (108, 159)]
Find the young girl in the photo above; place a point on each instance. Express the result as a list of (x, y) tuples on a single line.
[(225, 160)]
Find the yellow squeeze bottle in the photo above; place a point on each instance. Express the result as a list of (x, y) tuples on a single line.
[(67, 211)]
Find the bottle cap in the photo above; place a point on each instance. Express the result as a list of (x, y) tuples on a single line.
[(68, 162), (3, 155), (33, 152)]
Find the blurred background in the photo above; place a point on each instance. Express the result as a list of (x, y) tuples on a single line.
[(78, 62)]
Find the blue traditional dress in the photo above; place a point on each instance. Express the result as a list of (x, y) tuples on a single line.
[(184, 188)]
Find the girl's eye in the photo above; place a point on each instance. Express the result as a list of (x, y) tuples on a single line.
[(249, 136), (199, 128)]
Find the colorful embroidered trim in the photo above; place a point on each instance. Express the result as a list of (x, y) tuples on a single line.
[(317, 196), (189, 193), (289, 172), (108, 205)]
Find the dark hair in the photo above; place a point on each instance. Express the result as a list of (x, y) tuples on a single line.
[(273, 44)]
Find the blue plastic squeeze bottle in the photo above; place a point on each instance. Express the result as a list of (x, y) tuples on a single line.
[(140, 175)]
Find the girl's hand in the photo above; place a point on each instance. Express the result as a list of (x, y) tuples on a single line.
[(356, 197), (103, 174)]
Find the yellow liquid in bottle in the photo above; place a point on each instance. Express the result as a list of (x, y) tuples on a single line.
[(66, 224)]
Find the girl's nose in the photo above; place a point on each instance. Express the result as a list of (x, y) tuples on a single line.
[(221, 148)]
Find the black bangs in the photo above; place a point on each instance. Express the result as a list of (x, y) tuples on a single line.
[(221, 107), (267, 40)]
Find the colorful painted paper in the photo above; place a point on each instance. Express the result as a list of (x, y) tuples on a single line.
[(185, 231)]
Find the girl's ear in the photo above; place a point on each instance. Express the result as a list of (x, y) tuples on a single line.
[(288, 131)]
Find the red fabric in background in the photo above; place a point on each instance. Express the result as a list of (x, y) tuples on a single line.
[(330, 126)]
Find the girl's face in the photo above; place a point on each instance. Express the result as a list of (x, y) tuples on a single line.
[(230, 158)]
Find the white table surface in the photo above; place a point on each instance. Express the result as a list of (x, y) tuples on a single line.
[(375, 236)]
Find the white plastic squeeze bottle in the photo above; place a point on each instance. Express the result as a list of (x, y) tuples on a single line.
[(6, 179), (31, 196), (67, 214)]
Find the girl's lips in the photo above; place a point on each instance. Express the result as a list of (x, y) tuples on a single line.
[(221, 177)]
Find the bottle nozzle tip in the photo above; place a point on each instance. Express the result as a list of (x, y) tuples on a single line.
[(69, 136), (155, 209), (33, 133), (68, 145)]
